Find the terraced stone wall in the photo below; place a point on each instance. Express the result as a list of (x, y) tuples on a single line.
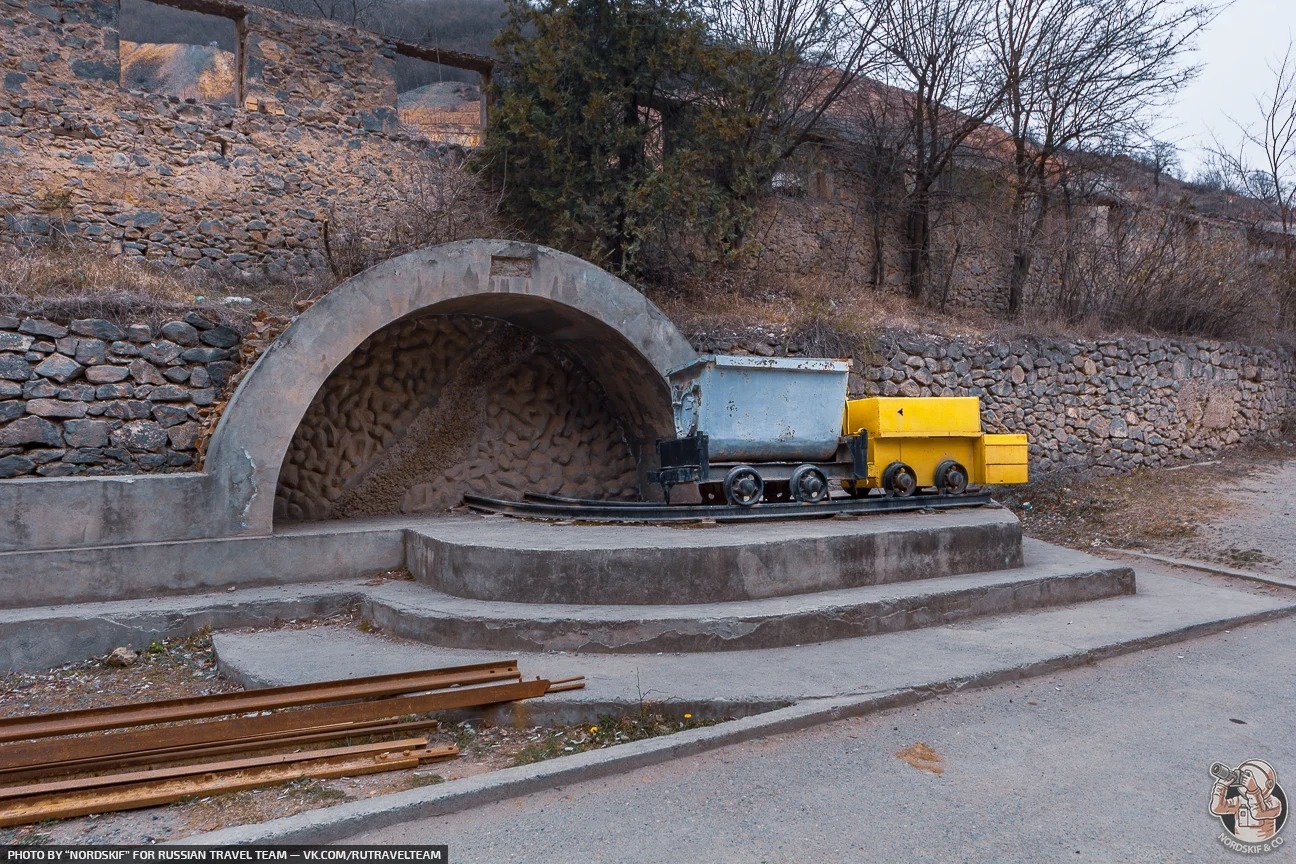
[(312, 151), (91, 397)]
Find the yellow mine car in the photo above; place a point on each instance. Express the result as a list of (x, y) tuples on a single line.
[(929, 442), (773, 429)]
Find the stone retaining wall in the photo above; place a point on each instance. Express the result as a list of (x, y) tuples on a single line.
[(90, 397), (313, 146), (1114, 404)]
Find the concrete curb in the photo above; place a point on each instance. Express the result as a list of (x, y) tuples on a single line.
[(332, 824), (1216, 569)]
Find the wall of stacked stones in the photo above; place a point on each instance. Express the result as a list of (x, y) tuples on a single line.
[(190, 184), (90, 397), (1111, 404)]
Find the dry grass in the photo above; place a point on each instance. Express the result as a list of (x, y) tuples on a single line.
[(1148, 509), (64, 282)]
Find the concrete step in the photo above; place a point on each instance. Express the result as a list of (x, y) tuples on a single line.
[(1170, 605), (512, 560), (1052, 576)]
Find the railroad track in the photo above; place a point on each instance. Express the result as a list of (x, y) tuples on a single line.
[(557, 507)]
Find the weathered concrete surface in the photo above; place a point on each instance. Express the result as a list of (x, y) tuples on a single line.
[(41, 637), (62, 513), (533, 562), (868, 675), (500, 553), (1085, 741), (615, 331), (1051, 576), (329, 551)]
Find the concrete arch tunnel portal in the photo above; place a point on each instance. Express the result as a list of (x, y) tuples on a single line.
[(481, 366)]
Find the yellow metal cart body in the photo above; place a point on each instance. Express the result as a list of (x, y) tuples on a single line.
[(932, 441)]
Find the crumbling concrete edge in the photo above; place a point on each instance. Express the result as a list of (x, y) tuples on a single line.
[(333, 824), (1214, 569)]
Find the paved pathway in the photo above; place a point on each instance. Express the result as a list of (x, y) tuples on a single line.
[(1264, 521), (1106, 763)]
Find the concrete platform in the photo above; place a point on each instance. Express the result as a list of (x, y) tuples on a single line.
[(496, 558), (39, 637), (983, 650), (1051, 576), (538, 562)]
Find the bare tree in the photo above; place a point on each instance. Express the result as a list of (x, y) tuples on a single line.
[(938, 51), (1162, 157), (1273, 142), (803, 55), (1080, 75), (875, 144)]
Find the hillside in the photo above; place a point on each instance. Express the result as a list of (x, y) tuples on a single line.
[(203, 72)]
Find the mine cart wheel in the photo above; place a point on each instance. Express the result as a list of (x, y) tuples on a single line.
[(899, 480), (809, 485), (951, 478), (743, 486)]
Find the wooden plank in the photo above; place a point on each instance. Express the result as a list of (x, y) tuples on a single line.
[(158, 757), (37, 753), (216, 705), (67, 805), (79, 783)]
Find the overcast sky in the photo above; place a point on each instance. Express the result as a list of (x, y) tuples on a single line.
[(1235, 53)]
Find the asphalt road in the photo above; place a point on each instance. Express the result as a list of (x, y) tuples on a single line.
[(1105, 763)]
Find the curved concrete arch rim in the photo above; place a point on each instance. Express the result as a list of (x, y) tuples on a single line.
[(564, 296)]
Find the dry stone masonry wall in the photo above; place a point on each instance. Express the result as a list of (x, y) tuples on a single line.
[(90, 397), (248, 186), (428, 410), (1111, 404)]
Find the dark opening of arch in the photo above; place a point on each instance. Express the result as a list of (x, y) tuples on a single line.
[(431, 408)]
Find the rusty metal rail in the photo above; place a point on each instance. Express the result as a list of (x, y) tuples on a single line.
[(97, 760), (40, 752), (197, 707), (555, 507)]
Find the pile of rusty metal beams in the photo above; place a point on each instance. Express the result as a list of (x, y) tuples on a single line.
[(97, 760)]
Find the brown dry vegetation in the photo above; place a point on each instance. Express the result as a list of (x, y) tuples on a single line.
[(65, 282), (1154, 510)]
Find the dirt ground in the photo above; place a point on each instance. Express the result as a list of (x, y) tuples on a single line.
[(187, 667), (1238, 510)]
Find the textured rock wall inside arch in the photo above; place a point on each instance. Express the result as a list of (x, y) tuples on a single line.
[(428, 410)]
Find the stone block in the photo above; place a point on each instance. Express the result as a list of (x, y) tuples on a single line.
[(59, 368), (90, 352), (144, 372), (15, 466), (56, 408), (10, 341), (37, 327), (87, 433), (98, 328), (106, 374), (31, 430), (14, 368), (180, 332), (140, 436)]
